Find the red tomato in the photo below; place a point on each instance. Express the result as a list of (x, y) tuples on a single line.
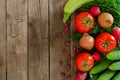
[(105, 42), (84, 61), (84, 22)]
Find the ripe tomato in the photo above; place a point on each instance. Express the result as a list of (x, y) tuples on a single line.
[(105, 42), (84, 22), (84, 61)]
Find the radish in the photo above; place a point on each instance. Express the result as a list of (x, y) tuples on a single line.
[(96, 56), (80, 76), (116, 34), (95, 10)]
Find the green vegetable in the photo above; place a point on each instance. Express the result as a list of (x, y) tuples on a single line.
[(95, 76), (71, 6), (114, 55), (100, 67), (111, 6), (107, 75), (117, 76), (115, 66)]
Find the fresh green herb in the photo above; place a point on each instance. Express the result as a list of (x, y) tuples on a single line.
[(111, 6)]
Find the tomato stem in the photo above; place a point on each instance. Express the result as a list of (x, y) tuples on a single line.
[(87, 21)]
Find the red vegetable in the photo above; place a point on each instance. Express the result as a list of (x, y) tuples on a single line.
[(84, 61), (116, 33), (95, 10), (84, 22), (96, 56), (105, 42), (80, 76)]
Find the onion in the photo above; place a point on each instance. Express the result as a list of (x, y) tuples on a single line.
[(105, 20), (80, 76), (116, 34), (87, 41), (95, 10)]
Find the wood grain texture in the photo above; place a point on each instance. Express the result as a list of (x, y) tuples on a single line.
[(38, 40), (57, 45), (3, 39), (17, 58)]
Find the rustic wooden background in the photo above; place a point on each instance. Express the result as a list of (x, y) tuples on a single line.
[(29, 47)]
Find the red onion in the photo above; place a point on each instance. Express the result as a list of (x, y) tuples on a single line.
[(64, 51), (68, 77), (61, 62), (62, 74), (95, 10), (68, 66), (80, 76), (96, 56), (59, 34)]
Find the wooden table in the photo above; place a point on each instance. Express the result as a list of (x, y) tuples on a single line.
[(29, 46)]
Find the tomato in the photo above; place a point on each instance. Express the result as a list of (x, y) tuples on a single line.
[(84, 61), (84, 22), (105, 42)]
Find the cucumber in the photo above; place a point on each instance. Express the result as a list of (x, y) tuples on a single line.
[(114, 55), (115, 66), (117, 76), (94, 76), (107, 75), (101, 66), (71, 6)]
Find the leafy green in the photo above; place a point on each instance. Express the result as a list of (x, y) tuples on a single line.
[(111, 6)]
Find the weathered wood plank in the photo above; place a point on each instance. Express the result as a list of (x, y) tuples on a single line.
[(38, 40), (57, 45), (3, 40), (17, 40)]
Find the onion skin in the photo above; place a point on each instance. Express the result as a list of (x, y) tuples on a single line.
[(116, 33), (87, 41), (80, 76), (105, 20)]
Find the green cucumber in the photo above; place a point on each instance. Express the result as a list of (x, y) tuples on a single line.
[(115, 66), (101, 66), (107, 75), (114, 55), (71, 6), (117, 76), (94, 76)]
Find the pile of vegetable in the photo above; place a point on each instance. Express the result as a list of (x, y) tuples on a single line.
[(98, 34)]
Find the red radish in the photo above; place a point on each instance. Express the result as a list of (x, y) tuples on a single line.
[(95, 10), (80, 76), (116, 34), (96, 56)]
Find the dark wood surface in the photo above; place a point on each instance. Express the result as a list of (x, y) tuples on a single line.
[(30, 48)]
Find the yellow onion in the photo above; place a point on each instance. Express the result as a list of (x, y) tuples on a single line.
[(87, 41)]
